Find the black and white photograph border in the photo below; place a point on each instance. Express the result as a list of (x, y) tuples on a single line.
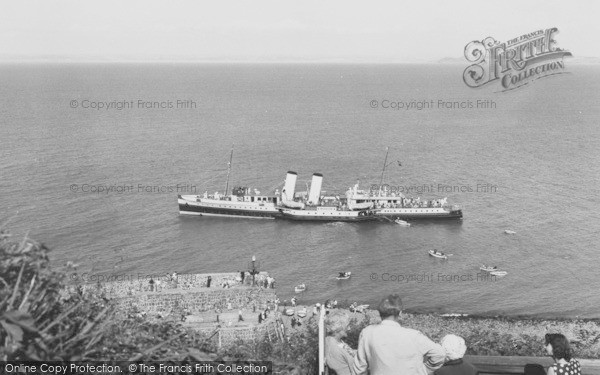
[(310, 187)]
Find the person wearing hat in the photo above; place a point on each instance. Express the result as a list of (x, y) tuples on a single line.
[(455, 349)]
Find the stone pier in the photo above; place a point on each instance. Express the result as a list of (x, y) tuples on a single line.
[(211, 309)]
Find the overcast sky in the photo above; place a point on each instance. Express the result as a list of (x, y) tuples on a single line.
[(281, 30)]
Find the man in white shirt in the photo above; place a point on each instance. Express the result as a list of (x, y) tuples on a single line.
[(388, 348)]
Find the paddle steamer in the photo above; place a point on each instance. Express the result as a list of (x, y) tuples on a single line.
[(357, 205)]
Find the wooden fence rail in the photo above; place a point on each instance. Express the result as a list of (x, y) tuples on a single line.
[(496, 365)]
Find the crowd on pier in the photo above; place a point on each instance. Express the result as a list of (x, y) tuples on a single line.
[(175, 281)]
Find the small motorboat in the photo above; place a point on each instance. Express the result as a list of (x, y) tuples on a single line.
[(343, 276), (361, 308), (438, 254), (498, 273), (290, 312), (355, 307), (488, 268), (302, 313), (300, 288), (508, 231), (402, 223)]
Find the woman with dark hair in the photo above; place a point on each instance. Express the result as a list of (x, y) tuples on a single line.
[(558, 347)]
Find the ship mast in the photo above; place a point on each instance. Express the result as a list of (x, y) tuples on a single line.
[(387, 151), (385, 165), (229, 169)]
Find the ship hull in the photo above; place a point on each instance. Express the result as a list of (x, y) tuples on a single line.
[(224, 209), (341, 216), (327, 218), (419, 213)]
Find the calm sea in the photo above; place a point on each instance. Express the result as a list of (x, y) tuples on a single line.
[(529, 163)]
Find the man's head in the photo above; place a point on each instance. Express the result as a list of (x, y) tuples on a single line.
[(390, 307)]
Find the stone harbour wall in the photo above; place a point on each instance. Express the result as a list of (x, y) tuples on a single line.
[(113, 286), (188, 296), (200, 300)]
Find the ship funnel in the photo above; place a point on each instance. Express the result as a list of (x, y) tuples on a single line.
[(287, 194), (315, 188)]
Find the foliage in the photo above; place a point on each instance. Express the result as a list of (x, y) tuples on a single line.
[(357, 323), (40, 321), (297, 354), (42, 318)]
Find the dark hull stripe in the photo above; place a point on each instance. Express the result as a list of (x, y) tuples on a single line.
[(231, 212)]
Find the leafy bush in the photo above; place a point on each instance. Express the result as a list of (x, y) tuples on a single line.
[(42, 318), (297, 354), (39, 320)]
